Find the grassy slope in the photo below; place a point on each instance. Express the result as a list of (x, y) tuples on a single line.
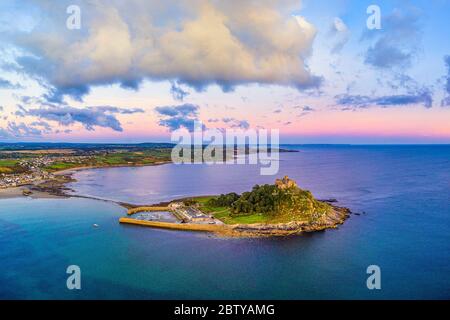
[(308, 209), (223, 213)]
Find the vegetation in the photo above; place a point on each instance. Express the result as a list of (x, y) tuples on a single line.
[(58, 166), (223, 213), (138, 157), (224, 200), (10, 166), (189, 202), (118, 158), (266, 203)]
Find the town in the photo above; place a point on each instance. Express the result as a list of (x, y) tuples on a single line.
[(34, 170), (25, 164)]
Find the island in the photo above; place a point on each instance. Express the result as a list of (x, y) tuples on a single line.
[(279, 209)]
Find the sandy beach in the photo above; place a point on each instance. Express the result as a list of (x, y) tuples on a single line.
[(21, 191)]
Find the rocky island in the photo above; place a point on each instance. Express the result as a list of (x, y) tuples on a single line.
[(280, 209)]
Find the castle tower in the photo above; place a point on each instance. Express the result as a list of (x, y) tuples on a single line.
[(285, 183)]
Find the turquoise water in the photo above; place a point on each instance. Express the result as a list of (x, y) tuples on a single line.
[(402, 195)]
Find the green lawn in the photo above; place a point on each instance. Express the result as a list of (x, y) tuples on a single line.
[(223, 213)]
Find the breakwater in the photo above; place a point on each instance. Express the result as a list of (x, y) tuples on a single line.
[(146, 209)]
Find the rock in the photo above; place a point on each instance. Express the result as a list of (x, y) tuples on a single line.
[(27, 193)]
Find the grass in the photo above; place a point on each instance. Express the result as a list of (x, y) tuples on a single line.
[(223, 213), (115, 157), (136, 158), (62, 166), (146, 157), (10, 166), (8, 163), (308, 209)]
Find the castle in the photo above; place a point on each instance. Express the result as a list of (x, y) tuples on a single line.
[(285, 183)]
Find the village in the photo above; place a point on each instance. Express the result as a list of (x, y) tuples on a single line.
[(33, 170)]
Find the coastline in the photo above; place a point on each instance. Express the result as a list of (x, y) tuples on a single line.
[(17, 192), (55, 188), (75, 169), (256, 230)]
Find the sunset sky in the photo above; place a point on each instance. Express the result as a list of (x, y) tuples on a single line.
[(138, 69)]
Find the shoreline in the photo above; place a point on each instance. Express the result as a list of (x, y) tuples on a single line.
[(75, 169), (41, 189), (55, 188), (255, 230)]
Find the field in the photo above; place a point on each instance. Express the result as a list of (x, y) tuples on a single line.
[(58, 166), (138, 158), (56, 157), (9, 166), (118, 158)]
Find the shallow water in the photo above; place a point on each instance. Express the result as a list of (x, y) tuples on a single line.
[(402, 195)]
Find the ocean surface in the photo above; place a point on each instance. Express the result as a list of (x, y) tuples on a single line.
[(401, 195)]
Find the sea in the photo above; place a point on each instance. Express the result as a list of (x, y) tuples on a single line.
[(400, 222)]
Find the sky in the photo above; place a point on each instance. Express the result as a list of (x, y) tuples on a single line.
[(344, 71)]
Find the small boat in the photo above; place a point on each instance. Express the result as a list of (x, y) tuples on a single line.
[(95, 225)]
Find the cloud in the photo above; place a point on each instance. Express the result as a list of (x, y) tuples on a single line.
[(236, 124), (180, 116), (194, 42), (397, 43), (228, 120), (240, 124), (89, 117), (386, 55), (21, 112), (15, 130), (21, 130), (185, 110), (6, 84), (4, 133), (359, 101), (45, 125), (305, 110), (340, 33), (446, 100), (177, 92)]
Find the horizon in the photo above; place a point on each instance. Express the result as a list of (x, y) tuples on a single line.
[(172, 143)]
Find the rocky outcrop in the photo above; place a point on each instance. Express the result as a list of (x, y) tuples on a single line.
[(331, 220), (328, 221)]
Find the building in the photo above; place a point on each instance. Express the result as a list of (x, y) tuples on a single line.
[(285, 183)]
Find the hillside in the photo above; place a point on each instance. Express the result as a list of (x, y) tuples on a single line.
[(281, 202)]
